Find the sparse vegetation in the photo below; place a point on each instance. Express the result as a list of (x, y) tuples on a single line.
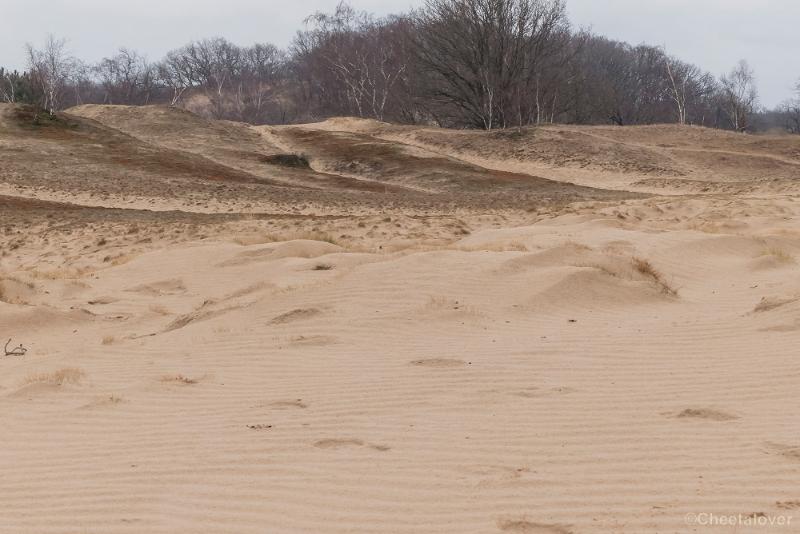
[(645, 268), (68, 375), (317, 236), (779, 254), (178, 379)]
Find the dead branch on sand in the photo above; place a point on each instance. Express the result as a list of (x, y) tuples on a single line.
[(16, 351)]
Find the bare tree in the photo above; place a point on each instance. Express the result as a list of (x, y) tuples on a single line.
[(17, 87), (460, 63), (126, 78), (790, 112), (175, 73), (679, 77), (483, 57), (687, 87), (256, 82), (351, 50), (8, 89), (739, 95), (52, 68), (210, 65)]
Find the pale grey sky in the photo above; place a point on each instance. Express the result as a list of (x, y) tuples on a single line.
[(713, 34)]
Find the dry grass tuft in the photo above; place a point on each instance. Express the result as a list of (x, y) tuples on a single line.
[(68, 375), (179, 379), (122, 259), (61, 274), (645, 268), (7, 290), (513, 246), (779, 254), (255, 239), (318, 236)]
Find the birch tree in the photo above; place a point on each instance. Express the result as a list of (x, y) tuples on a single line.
[(363, 55), (739, 95), (52, 68)]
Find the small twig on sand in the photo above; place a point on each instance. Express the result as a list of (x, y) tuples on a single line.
[(16, 351)]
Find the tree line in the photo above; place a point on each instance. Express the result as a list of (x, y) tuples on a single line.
[(456, 63)]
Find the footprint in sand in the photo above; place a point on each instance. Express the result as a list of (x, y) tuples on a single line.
[(439, 363), (345, 443), (522, 526)]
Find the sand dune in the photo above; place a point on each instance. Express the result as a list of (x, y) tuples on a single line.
[(603, 357)]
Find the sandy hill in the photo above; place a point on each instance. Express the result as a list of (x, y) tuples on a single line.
[(664, 158), (353, 326), (341, 162)]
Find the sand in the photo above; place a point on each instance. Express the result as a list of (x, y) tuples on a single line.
[(422, 331)]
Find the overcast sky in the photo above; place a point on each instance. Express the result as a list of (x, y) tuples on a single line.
[(713, 34)]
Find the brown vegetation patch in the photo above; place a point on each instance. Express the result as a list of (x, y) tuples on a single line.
[(295, 161)]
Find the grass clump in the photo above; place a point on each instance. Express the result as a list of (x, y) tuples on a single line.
[(779, 254), (178, 379), (68, 375), (646, 269)]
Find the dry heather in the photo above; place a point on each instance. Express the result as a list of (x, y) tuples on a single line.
[(619, 266)]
